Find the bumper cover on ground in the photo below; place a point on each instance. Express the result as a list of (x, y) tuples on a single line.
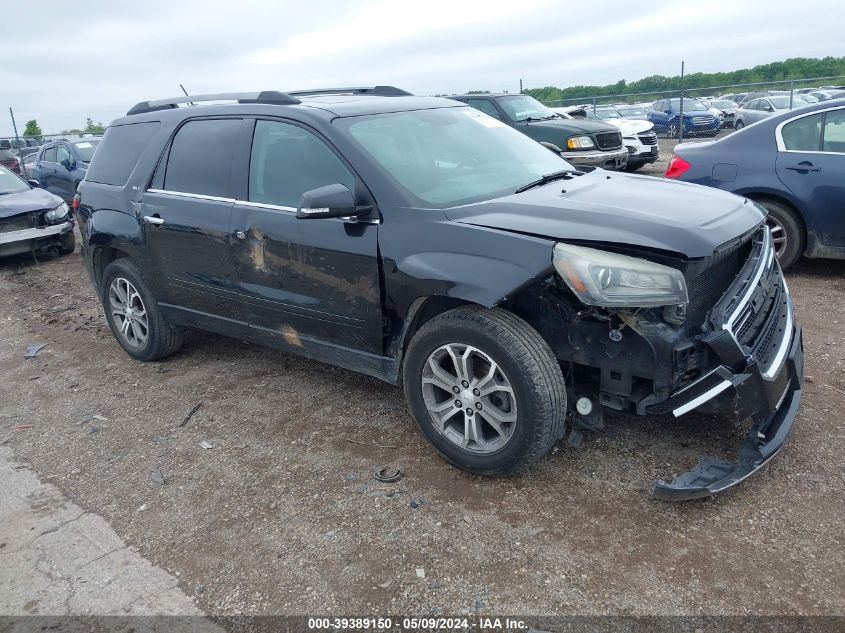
[(765, 439)]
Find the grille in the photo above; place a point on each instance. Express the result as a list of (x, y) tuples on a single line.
[(609, 140), (701, 120), (17, 223), (707, 288), (647, 138)]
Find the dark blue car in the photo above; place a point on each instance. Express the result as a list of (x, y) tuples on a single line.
[(697, 119), (793, 164), (61, 165)]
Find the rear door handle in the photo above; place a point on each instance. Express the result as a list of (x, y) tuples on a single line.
[(803, 167), (153, 219)]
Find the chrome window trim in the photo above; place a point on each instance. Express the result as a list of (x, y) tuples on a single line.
[(264, 205), (195, 196), (779, 131)]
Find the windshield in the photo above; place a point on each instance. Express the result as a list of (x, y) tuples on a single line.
[(523, 107), (86, 149), (690, 105), (10, 183), (451, 156), (723, 103), (782, 102)]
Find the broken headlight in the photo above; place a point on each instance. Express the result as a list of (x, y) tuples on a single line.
[(601, 278), (57, 214)]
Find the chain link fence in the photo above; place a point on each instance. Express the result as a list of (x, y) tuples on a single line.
[(690, 111)]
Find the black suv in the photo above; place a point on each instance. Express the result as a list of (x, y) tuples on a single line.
[(420, 241), (592, 143)]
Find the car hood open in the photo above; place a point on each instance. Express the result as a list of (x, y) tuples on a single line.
[(13, 204), (620, 209)]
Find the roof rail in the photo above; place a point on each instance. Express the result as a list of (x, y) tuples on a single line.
[(272, 97), (379, 91)]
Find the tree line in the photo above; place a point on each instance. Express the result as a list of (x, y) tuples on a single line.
[(32, 129), (796, 68)]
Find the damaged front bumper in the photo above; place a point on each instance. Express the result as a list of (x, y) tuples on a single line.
[(766, 437), (21, 241), (759, 378)]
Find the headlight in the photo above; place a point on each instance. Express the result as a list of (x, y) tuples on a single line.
[(606, 279), (580, 142), (59, 213)]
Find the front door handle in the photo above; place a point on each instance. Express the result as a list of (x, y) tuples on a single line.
[(803, 167), (154, 219)]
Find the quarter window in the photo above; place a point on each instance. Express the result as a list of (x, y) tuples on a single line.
[(201, 157), (834, 132), (287, 161), (804, 134)]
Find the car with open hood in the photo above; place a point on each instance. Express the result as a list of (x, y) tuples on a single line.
[(32, 220), (514, 297), (591, 143)]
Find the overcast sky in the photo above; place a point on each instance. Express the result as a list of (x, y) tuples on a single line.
[(64, 61)]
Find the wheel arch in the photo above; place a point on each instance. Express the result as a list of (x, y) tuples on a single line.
[(760, 195)]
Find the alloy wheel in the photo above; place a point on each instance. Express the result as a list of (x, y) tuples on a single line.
[(469, 398), (780, 238), (128, 312), (672, 130)]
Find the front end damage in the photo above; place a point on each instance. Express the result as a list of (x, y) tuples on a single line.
[(736, 347)]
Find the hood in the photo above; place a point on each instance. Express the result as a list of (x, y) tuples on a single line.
[(631, 127), (33, 200), (566, 126), (619, 208)]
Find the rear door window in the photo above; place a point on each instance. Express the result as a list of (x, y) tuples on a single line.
[(834, 132), (201, 157), (119, 151)]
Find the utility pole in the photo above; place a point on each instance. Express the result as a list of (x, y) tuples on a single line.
[(681, 122), (14, 125), (520, 86)]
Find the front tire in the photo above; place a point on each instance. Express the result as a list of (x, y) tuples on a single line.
[(485, 389), (738, 126), (672, 130), (133, 314), (68, 244), (787, 232)]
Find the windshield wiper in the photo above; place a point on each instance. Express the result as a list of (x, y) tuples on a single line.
[(555, 175)]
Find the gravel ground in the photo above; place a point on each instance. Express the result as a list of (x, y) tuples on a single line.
[(282, 515)]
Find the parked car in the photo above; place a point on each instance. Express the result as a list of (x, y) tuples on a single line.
[(431, 245), (8, 158), (26, 164), (793, 164), (632, 112), (590, 143), (697, 121), (637, 136), (764, 107), (31, 219), (61, 165), (725, 109)]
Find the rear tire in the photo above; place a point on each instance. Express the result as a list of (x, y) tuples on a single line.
[(511, 408), (787, 232), (133, 314)]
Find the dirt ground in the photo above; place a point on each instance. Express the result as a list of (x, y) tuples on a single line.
[(282, 514)]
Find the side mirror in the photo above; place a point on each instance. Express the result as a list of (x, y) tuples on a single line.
[(331, 201), (667, 112), (34, 183)]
